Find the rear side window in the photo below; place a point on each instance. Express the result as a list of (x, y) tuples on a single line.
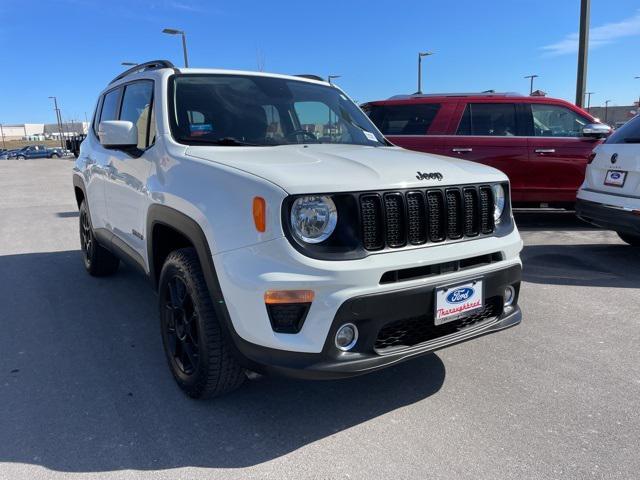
[(403, 119), (136, 108), (489, 119), (627, 133)]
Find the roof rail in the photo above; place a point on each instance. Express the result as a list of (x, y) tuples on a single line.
[(486, 93), (143, 67), (310, 76)]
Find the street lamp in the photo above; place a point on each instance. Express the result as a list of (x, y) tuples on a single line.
[(420, 55), (606, 109), (638, 96), (173, 31), (588, 94), (59, 119), (2, 133), (331, 77), (531, 77)]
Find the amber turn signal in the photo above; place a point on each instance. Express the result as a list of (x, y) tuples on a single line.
[(260, 214), (272, 297)]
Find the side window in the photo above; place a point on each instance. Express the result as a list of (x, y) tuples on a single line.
[(96, 116), (136, 108), (404, 119), (556, 121), (317, 118), (627, 133), (110, 106), (488, 119)]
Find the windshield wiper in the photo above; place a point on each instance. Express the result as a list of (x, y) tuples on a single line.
[(632, 140)]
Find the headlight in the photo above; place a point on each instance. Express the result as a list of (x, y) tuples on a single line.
[(498, 202), (313, 218)]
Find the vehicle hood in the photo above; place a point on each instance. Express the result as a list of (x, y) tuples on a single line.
[(323, 168)]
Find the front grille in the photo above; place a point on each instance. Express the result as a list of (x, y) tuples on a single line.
[(413, 331), (397, 219)]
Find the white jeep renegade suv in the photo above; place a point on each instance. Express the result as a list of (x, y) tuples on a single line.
[(283, 233)]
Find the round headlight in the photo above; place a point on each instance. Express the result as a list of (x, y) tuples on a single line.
[(313, 218), (498, 202)]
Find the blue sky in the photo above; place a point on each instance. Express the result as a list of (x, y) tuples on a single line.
[(72, 48)]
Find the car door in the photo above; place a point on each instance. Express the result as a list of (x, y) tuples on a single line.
[(558, 152), (97, 159), (412, 125), (492, 133), (128, 169)]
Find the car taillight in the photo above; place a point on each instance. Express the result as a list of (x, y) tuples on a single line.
[(591, 157)]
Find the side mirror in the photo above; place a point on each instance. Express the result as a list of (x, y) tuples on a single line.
[(596, 130), (118, 134)]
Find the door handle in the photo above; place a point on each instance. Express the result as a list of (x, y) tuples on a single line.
[(545, 150), (461, 150)]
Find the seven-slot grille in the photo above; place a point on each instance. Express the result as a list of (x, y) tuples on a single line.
[(398, 219)]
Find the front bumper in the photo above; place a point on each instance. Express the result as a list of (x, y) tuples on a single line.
[(375, 314), (610, 217)]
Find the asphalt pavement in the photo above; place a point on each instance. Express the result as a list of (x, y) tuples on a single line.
[(85, 392)]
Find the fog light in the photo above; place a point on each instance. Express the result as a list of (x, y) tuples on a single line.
[(346, 336), (509, 296)]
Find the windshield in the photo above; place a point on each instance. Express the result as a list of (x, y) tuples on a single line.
[(233, 110)]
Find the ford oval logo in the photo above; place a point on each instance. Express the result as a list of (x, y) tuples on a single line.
[(615, 175), (460, 295)]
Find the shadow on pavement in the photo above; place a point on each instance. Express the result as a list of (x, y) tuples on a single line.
[(549, 219), (606, 265), (84, 386)]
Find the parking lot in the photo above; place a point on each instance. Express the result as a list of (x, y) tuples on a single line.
[(85, 389)]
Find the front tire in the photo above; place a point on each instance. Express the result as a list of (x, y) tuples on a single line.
[(197, 349), (98, 261), (21, 157), (633, 240), (55, 155)]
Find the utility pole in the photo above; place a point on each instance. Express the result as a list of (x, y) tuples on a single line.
[(606, 109), (531, 87), (2, 133), (420, 55), (59, 119), (588, 94), (583, 51)]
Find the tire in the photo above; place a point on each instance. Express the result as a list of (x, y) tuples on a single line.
[(633, 240), (55, 155), (21, 157), (98, 261), (198, 351)]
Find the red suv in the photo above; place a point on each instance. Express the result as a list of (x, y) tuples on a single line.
[(542, 144)]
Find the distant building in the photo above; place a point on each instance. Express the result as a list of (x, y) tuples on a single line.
[(42, 131), (615, 116)]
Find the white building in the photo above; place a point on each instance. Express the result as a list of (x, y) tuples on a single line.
[(21, 131), (41, 131)]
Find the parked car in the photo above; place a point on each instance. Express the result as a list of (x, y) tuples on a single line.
[(541, 143), (610, 195), (38, 151), (279, 243), (7, 154)]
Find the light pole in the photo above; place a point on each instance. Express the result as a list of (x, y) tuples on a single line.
[(638, 96), (173, 31), (531, 77), (606, 109), (2, 133), (420, 55), (583, 51), (331, 77), (59, 119), (588, 94)]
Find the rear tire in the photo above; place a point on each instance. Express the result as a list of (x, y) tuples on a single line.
[(98, 261), (21, 157), (633, 240), (196, 346), (55, 155)]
